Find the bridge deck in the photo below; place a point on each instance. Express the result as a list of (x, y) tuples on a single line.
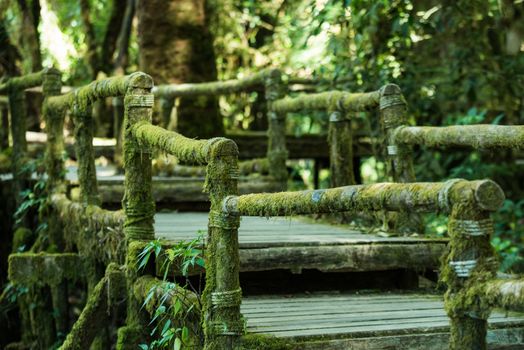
[(367, 321), (295, 244)]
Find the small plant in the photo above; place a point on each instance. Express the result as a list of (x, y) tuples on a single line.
[(184, 256), (36, 196)]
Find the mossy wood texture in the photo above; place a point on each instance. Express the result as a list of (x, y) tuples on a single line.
[(95, 315), (417, 197), (277, 153), (215, 88), (330, 100), (393, 113), (41, 269), (471, 136), (138, 203)]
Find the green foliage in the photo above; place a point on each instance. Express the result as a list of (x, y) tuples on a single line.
[(36, 196), (169, 330)]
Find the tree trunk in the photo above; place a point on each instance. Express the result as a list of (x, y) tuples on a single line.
[(176, 47)]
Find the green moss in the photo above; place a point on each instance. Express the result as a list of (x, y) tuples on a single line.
[(96, 232), (214, 88), (222, 324), (465, 299), (330, 100), (340, 139), (85, 154), (474, 136), (95, 314), (265, 342), (23, 237), (129, 337), (43, 268)]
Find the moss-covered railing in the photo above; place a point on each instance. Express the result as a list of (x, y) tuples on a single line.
[(221, 300), (473, 286), (468, 266), (15, 88), (267, 80)]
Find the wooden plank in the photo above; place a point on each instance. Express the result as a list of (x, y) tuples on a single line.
[(312, 318), (291, 243)]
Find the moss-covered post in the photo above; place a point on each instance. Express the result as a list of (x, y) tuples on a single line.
[(138, 204), (223, 323), (54, 120), (84, 126), (276, 151), (118, 119), (52, 86), (340, 138), (470, 262), (393, 113), (85, 154), (18, 109)]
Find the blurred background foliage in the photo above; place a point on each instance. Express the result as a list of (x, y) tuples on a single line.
[(457, 61)]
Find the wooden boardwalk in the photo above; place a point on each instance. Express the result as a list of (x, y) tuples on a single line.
[(295, 244), (367, 321)]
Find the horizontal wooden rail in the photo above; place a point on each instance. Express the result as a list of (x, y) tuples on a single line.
[(506, 293), (418, 197), (86, 95), (212, 88), (476, 136), (23, 82), (330, 100), (185, 149)]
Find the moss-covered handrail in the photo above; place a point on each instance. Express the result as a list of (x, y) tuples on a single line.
[(472, 136), (23, 82), (466, 268), (221, 316), (86, 95), (186, 150), (419, 197), (215, 88), (329, 101)]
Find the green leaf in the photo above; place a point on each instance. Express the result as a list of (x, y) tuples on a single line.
[(178, 344), (185, 335)]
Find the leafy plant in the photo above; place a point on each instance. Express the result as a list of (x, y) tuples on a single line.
[(183, 257)]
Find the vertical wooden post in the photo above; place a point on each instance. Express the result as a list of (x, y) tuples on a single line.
[(138, 203), (393, 114), (54, 120), (223, 323), (118, 120), (85, 154), (83, 131), (276, 152), (470, 263), (18, 110), (52, 86), (340, 138), (166, 107)]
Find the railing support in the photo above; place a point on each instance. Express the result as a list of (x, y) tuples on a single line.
[(18, 109), (138, 204), (340, 139), (277, 152), (85, 154), (393, 110), (469, 265), (223, 323)]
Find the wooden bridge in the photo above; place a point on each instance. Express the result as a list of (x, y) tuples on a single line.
[(82, 233)]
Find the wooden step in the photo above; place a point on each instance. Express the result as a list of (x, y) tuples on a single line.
[(295, 244), (366, 321)]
